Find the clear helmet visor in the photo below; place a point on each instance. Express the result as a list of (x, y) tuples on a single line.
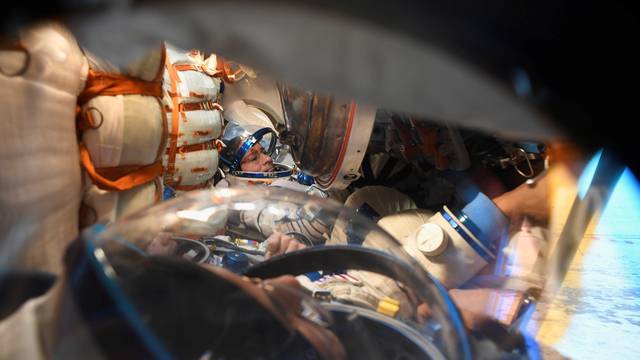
[(172, 265)]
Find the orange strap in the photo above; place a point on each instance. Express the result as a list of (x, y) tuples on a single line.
[(212, 144), (204, 105), (188, 67), (158, 193), (175, 114), (101, 83), (129, 177), (116, 172), (165, 131), (192, 94), (227, 74)]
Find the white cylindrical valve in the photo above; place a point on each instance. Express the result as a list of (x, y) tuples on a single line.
[(448, 251), (430, 239)]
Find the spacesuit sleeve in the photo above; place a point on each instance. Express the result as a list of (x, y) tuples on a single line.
[(485, 219)]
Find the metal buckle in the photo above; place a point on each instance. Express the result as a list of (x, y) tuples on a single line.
[(516, 155), (532, 181)]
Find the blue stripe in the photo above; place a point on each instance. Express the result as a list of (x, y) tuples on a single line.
[(262, 175), (475, 230), (466, 237), (246, 146)]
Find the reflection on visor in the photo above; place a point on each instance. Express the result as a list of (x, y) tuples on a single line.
[(364, 301), (297, 104), (241, 144), (268, 143), (321, 124), (304, 107)]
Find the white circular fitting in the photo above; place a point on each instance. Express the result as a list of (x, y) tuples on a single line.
[(430, 239)]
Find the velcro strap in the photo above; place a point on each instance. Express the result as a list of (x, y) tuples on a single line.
[(204, 105), (105, 84), (188, 67)]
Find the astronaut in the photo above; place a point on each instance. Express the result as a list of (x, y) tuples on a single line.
[(247, 153), (247, 158)]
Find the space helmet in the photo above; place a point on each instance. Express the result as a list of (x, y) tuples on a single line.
[(337, 128), (190, 278), (238, 140)]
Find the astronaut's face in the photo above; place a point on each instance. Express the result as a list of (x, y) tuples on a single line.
[(257, 160)]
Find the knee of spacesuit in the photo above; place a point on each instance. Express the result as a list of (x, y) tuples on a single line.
[(383, 200), (373, 202), (404, 223)]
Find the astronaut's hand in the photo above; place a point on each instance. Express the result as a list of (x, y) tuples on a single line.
[(279, 243), (423, 313), (162, 244), (526, 201), (471, 306)]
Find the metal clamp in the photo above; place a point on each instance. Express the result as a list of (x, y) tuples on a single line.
[(532, 181)]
